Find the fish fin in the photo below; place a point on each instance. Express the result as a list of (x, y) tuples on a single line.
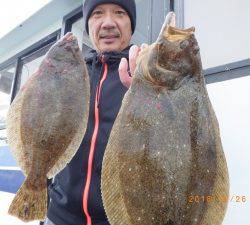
[(113, 201), (13, 132), (59, 165), (29, 204), (217, 208)]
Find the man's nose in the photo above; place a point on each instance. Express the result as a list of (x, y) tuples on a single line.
[(108, 22)]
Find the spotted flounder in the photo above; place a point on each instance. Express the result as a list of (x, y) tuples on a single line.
[(46, 123), (164, 163)]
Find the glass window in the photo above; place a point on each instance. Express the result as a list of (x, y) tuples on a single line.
[(6, 80), (231, 102), (143, 23), (28, 68), (82, 37), (30, 64), (78, 30)]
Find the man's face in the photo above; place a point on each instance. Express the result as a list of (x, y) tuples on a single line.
[(109, 28)]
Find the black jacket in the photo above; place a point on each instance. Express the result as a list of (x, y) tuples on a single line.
[(76, 191)]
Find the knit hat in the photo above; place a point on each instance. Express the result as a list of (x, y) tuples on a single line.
[(127, 5)]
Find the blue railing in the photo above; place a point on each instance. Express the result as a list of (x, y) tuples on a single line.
[(11, 176)]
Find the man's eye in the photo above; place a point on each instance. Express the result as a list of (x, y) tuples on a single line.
[(97, 12), (120, 12)]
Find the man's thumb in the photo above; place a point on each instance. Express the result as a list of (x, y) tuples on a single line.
[(123, 73)]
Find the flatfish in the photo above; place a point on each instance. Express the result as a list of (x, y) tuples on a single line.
[(164, 163), (46, 123)]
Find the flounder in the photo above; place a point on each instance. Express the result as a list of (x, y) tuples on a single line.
[(165, 150), (46, 123)]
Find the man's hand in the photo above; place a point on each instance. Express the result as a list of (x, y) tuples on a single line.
[(125, 75)]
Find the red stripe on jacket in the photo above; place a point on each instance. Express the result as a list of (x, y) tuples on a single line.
[(92, 147)]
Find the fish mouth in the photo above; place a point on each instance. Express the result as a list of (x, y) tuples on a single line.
[(67, 38), (174, 34)]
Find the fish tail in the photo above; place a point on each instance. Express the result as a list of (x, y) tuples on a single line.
[(29, 204)]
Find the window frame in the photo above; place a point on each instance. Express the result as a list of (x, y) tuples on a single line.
[(8, 65), (178, 7), (227, 71), (70, 18)]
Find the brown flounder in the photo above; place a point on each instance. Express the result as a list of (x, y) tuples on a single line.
[(165, 147), (46, 123)]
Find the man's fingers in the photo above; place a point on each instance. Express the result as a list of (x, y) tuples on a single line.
[(133, 54), (125, 76), (142, 47), (123, 73)]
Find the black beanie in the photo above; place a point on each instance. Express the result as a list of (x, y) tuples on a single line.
[(127, 5)]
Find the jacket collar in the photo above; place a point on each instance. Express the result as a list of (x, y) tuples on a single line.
[(93, 56)]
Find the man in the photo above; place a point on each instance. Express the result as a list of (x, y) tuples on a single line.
[(76, 193)]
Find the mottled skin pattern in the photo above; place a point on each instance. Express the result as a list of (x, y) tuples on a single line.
[(46, 123), (165, 144)]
